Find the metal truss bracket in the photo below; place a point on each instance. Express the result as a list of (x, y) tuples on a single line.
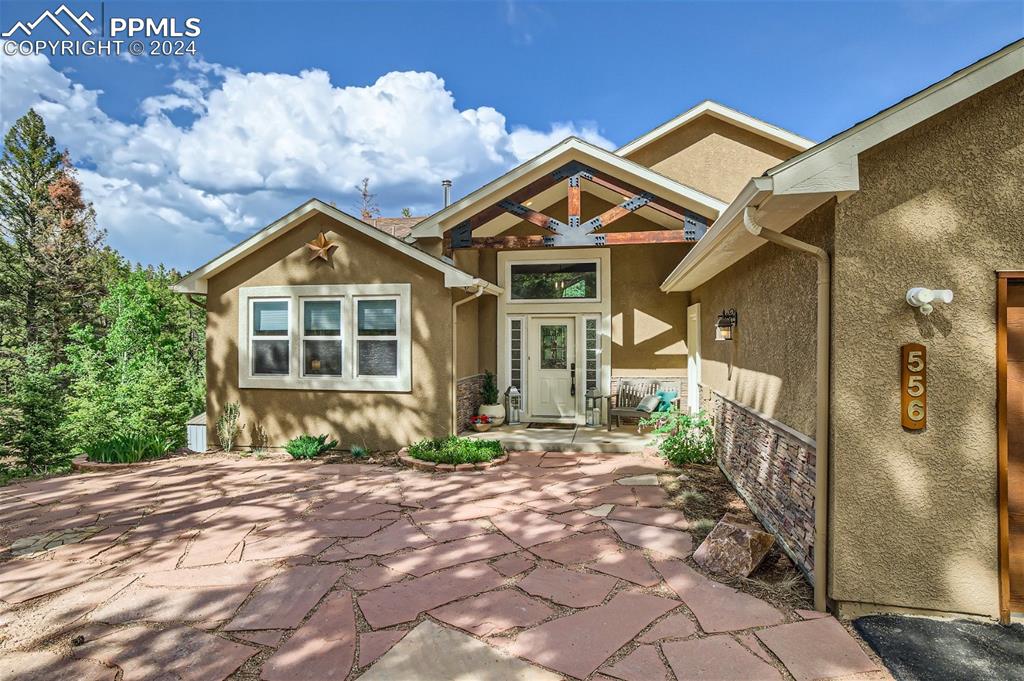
[(461, 235)]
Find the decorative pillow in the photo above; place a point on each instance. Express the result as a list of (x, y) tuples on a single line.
[(666, 397), (649, 404)]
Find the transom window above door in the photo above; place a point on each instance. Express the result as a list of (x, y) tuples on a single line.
[(576, 281), (331, 337)]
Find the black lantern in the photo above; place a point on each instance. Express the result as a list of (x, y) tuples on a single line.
[(725, 327)]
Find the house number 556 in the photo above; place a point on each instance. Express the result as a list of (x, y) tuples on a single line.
[(914, 386)]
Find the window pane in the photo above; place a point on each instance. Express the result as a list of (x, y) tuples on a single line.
[(554, 281), (270, 318), (321, 357), (378, 358), (378, 317), (270, 357), (322, 317), (552, 346)]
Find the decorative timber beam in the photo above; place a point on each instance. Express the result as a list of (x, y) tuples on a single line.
[(660, 236)]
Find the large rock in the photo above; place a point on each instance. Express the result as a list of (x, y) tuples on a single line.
[(734, 547)]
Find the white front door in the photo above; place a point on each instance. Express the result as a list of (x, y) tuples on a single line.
[(693, 358), (551, 361)]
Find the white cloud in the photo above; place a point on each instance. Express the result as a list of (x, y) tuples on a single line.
[(260, 143)]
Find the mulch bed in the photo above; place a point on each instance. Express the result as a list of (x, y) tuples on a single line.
[(705, 495)]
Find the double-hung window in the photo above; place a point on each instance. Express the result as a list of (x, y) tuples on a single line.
[(330, 337)]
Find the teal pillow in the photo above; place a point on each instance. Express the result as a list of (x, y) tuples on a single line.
[(666, 397)]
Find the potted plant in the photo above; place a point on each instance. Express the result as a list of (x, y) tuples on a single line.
[(491, 407), (481, 423)]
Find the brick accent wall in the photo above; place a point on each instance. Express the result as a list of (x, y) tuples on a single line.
[(772, 467), (467, 395)]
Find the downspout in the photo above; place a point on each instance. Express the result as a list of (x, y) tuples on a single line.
[(821, 435), (480, 289)]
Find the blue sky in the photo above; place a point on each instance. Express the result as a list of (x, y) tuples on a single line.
[(184, 157)]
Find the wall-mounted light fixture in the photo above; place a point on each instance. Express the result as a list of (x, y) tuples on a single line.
[(725, 327), (922, 298)]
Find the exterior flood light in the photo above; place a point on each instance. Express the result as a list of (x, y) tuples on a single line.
[(726, 325), (922, 298)]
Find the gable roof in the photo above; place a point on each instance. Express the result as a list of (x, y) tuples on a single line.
[(569, 149), (721, 112), (790, 190), (397, 227), (196, 280)]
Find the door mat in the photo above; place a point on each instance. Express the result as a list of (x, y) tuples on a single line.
[(551, 426)]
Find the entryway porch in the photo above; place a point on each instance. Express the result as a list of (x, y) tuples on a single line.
[(572, 437)]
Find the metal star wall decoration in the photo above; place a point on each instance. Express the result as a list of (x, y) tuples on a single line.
[(321, 247)]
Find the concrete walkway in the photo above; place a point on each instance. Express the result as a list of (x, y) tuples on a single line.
[(584, 439), (552, 566)]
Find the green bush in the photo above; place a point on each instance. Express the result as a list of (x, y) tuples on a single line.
[(227, 426), (489, 389), (683, 437), (128, 448), (456, 450), (359, 452), (307, 446)]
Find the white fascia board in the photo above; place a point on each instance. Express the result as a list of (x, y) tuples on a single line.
[(195, 282), (956, 88), (571, 148), (727, 114)]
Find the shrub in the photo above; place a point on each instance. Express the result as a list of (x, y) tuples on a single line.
[(307, 446), (683, 437), (359, 451), (489, 390), (456, 450), (128, 448), (227, 426)]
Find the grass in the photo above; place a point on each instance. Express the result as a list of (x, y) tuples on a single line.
[(456, 450), (127, 448), (18, 473)]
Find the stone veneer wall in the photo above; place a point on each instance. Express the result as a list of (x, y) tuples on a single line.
[(772, 467), (467, 394)]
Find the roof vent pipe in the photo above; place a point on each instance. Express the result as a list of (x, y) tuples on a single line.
[(446, 185)]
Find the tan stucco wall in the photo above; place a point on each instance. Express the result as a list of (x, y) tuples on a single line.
[(380, 420), (712, 155), (467, 331), (914, 514), (769, 367)]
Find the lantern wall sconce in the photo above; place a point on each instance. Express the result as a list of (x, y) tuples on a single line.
[(725, 327)]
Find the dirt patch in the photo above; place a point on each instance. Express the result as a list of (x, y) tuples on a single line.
[(704, 494)]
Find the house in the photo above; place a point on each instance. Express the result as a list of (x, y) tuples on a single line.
[(583, 268)]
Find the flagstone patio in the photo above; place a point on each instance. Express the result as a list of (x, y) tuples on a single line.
[(556, 565)]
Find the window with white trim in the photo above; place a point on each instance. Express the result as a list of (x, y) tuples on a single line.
[(377, 336), (270, 337), (329, 337)]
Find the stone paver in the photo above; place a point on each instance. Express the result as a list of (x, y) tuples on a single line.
[(673, 626), (816, 649), (323, 648), (493, 612), (403, 602), (510, 566), (579, 643), (43, 666), (285, 600), (629, 565), (716, 606), (175, 652), (663, 540), (643, 664), (310, 565), (575, 589), (646, 479), (440, 556), (373, 644), (716, 658), (431, 652)]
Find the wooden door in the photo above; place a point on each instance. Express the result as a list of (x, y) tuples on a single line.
[(1012, 427), (551, 362)]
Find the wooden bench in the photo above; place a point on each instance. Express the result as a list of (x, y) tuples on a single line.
[(632, 391)]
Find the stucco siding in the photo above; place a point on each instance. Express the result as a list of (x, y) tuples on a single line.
[(769, 367), (914, 513), (377, 419), (712, 155)]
